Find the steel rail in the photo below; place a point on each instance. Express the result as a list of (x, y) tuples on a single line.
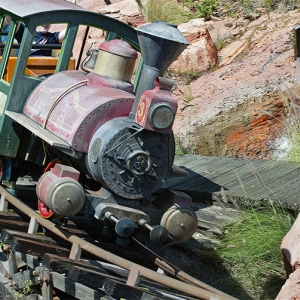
[(112, 258)]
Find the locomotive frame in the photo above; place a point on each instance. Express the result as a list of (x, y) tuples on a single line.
[(127, 148)]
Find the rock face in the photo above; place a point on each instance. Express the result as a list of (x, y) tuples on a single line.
[(126, 11), (236, 108), (201, 54)]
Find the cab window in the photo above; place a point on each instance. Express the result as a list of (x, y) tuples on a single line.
[(8, 44)]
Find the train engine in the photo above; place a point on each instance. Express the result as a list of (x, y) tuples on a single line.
[(95, 127)]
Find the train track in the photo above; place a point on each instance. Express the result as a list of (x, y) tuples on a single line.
[(44, 259)]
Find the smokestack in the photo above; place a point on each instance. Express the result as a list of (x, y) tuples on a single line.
[(161, 43)]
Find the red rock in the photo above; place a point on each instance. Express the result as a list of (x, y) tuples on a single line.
[(291, 289), (201, 54)]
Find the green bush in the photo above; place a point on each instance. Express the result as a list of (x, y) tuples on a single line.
[(166, 11), (205, 8)]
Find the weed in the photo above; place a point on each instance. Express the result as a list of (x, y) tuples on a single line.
[(19, 293), (250, 248), (187, 77), (188, 95), (268, 5), (205, 8), (27, 288), (191, 75), (166, 11), (219, 42), (179, 149)]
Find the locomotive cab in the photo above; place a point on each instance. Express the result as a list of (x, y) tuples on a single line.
[(94, 123)]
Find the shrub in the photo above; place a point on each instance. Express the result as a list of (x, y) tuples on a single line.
[(205, 8), (166, 11)]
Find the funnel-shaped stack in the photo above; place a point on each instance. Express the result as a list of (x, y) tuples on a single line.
[(161, 43)]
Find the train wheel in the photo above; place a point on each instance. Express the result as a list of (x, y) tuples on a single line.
[(44, 210)]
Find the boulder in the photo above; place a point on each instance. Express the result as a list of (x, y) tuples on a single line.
[(201, 54), (126, 11), (291, 288), (290, 248)]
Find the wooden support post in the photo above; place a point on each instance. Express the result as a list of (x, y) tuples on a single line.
[(44, 276), (47, 290), (75, 252), (134, 277), (33, 225), (3, 203), (12, 263)]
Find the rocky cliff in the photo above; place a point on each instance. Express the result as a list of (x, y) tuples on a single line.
[(236, 108)]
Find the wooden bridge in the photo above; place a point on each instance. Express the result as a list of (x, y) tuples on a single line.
[(224, 179)]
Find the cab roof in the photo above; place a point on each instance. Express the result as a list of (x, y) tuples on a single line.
[(25, 9)]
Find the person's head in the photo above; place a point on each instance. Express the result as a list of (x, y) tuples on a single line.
[(43, 28)]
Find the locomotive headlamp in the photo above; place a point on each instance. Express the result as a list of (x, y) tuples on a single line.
[(161, 116), (157, 108)]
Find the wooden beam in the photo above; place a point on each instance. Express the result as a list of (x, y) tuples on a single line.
[(74, 289), (37, 248)]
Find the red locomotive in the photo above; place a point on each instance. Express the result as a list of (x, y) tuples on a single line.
[(92, 125)]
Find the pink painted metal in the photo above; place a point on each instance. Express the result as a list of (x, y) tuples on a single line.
[(119, 47), (72, 109), (60, 191), (99, 80), (160, 94)]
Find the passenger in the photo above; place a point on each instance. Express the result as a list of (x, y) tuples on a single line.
[(5, 29), (19, 31), (4, 32), (43, 36)]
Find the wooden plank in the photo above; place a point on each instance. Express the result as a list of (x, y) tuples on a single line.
[(37, 248), (111, 269), (90, 278), (22, 278), (208, 174), (282, 180), (12, 224), (63, 264), (47, 290), (119, 290), (7, 235), (8, 292), (91, 275), (10, 215), (24, 259), (74, 289), (4, 293)]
